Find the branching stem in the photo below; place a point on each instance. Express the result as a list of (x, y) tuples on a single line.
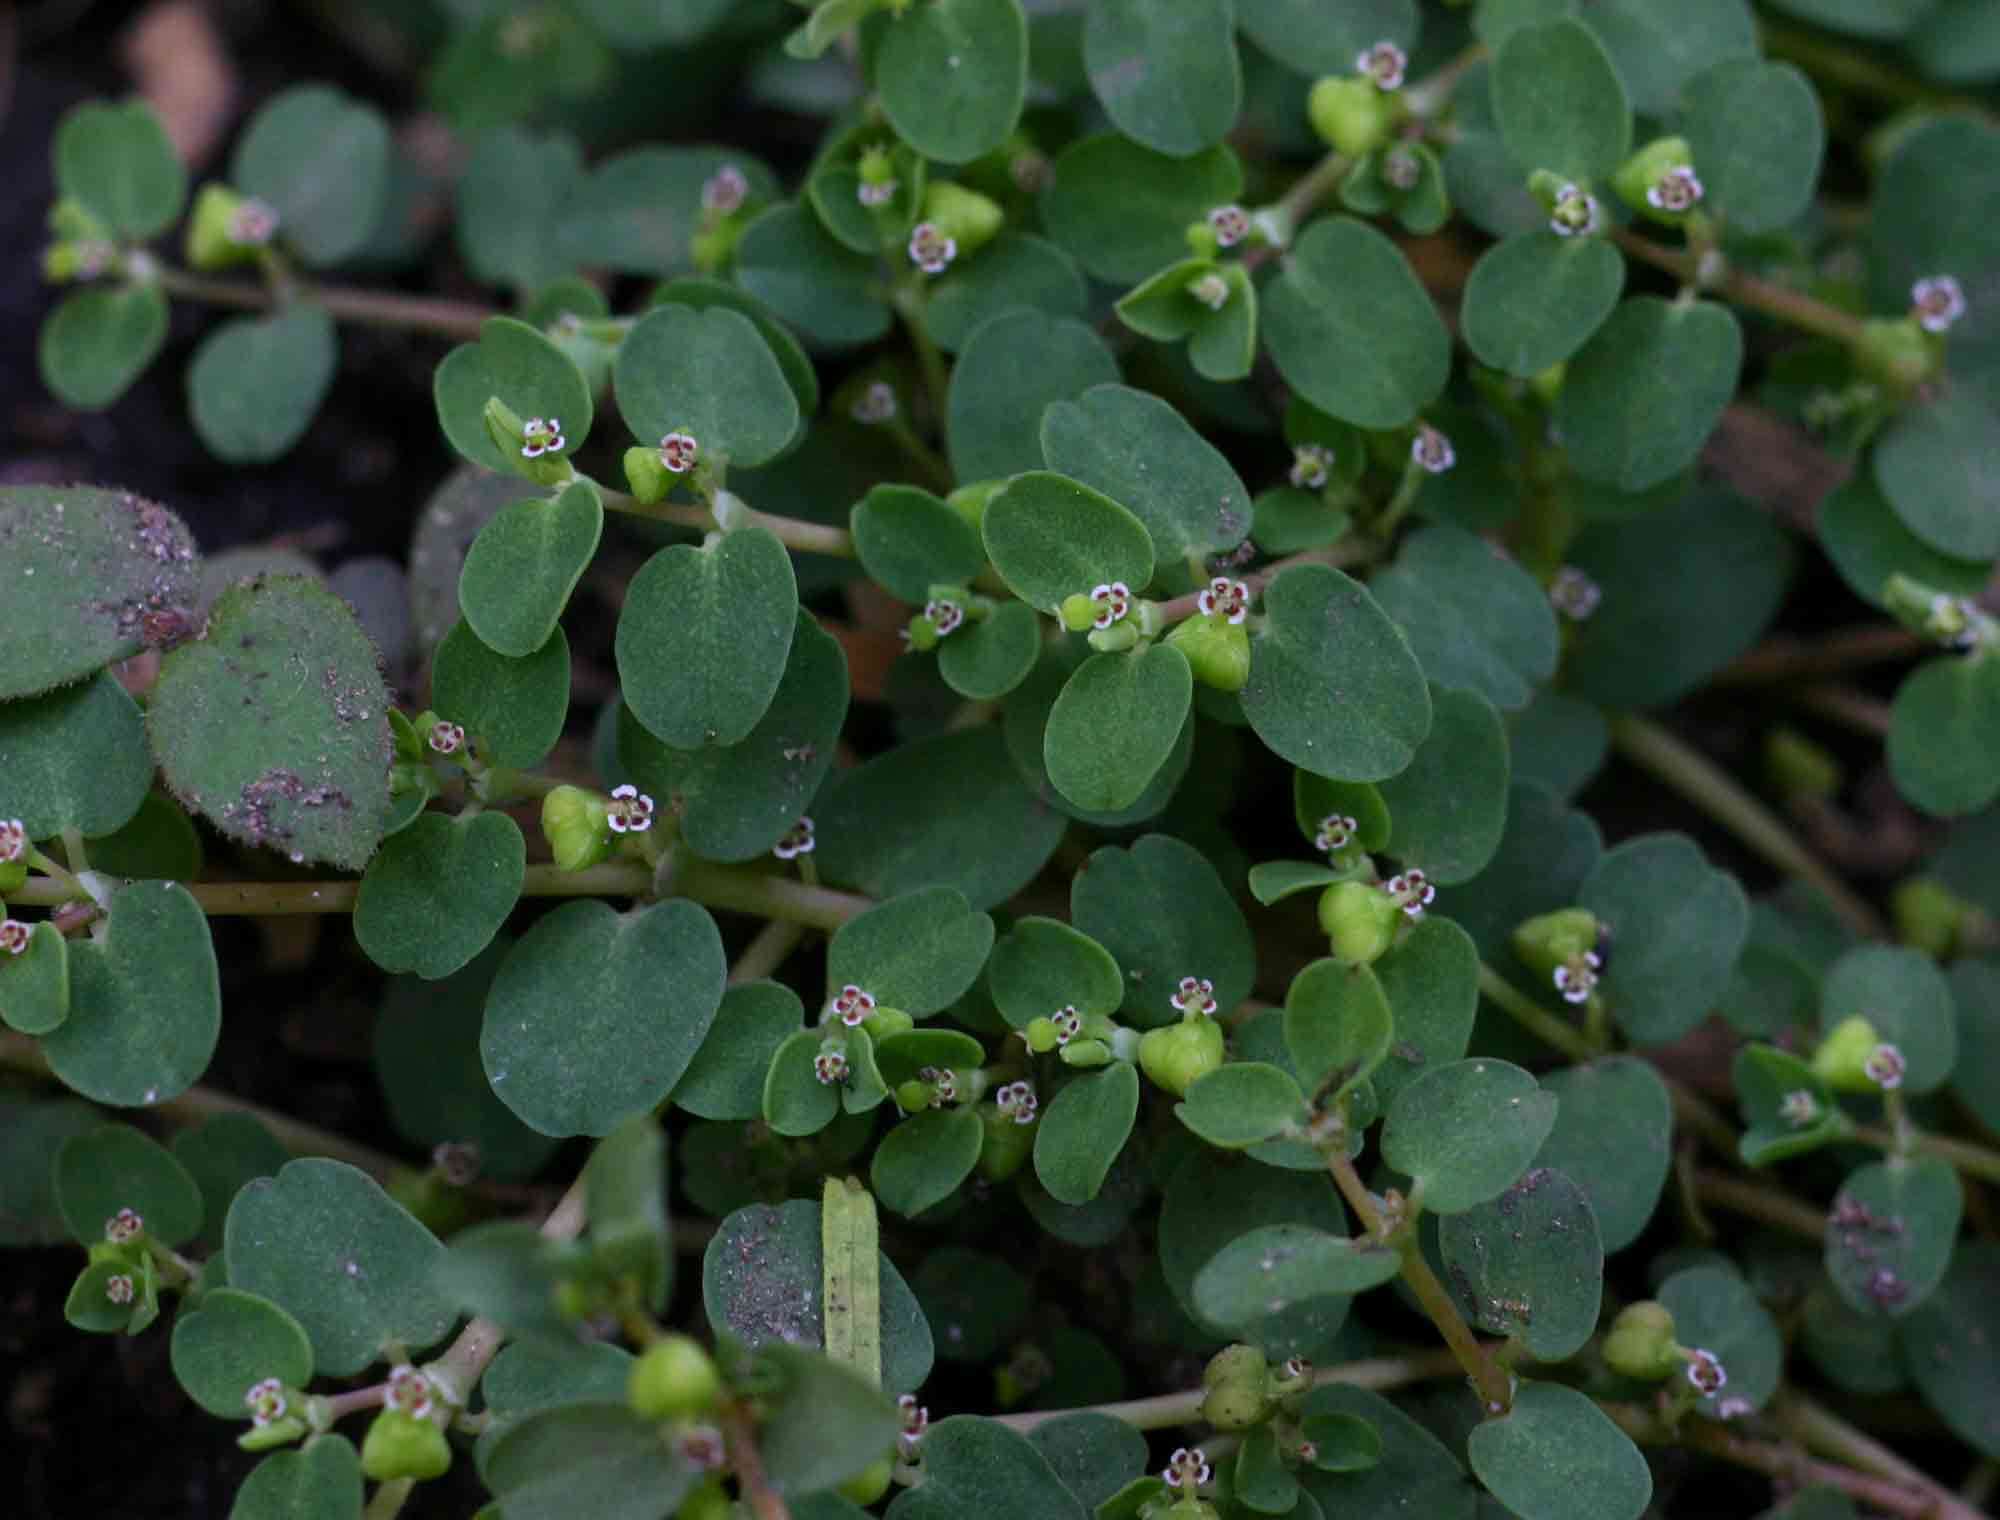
[(1532, 1017), (792, 532), (1789, 306), (1973, 1160), (369, 308)]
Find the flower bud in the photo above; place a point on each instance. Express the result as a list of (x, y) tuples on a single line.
[(965, 217), (1843, 1056), (1176, 1056), (1897, 353), (674, 1378), (1641, 1342), (1930, 916), (1654, 180), (1360, 921), (400, 1445), (1078, 612), (1216, 649), (1350, 114), (1237, 1380), (871, 1483), (577, 825), (1548, 384), (648, 477)]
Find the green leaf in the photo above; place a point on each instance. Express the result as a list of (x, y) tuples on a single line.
[(1891, 1232), (1529, 1264), (953, 76), (943, 811), (1658, 52), (34, 984), (1882, 19), (1764, 1078), (1416, 1473), (708, 374), (1122, 210), (524, 564), (34, 1132), (823, 1426), (1711, 569), (1138, 449), (525, 369), (427, 1059), (1338, 1029), (1050, 537), (762, 1279), (1922, 221), (1267, 1270), (1333, 685), (921, 1162), (1677, 927), (1352, 329), (1942, 729), (1272, 881), (792, 1100), (1957, 41), (1904, 995), (222, 1154), (320, 160), (1717, 1311), (98, 342), (601, 1459), (1868, 543), (96, 576), (1856, 1352), (725, 1080), (1473, 618), (1163, 912), (1613, 1137), (1757, 134), (1025, 716), (317, 1482), (1557, 743), (975, 1303), (704, 635), (1963, 1313), (276, 752), (509, 204), (437, 892), (1449, 805), (700, 293), (971, 1463), (231, 1340), (1094, 1454), (1555, 1455), (735, 801), (118, 161), (1165, 71), (1431, 980), (324, 1242), (787, 260), (118, 1167), (625, 1184), (917, 952), (1544, 857), (75, 759), (1975, 988), (1536, 298), (1080, 1134), (1560, 103), (639, 211), (1465, 1131), (256, 382), (1007, 374), (1309, 39), (905, 1053), (909, 540), (1013, 270), (513, 709), (1641, 397), (145, 1001), (1315, 797), (1043, 964), (594, 1015), (1934, 465), (1241, 1103), (1115, 725), (985, 660)]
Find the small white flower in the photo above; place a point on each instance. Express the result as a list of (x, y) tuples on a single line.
[(1307, 1452), (1432, 449), (252, 224), (850, 1005), (542, 436), (631, 810), (1733, 1408), (1226, 599), (875, 404), (1113, 600), (830, 1066), (1576, 213), (678, 452), (119, 1289), (1401, 168), (1196, 994), (1017, 1101), (1574, 594), (1798, 1108), (1230, 224), (1068, 1022), (942, 1082), (447, 738), (1886, 1288), (916, 1420), (724, 191), (1938, 302), (1412, 891), (1384, 63), (1336, 832), (1705, 1371), (1211, 290), (878, 193), (930, 250), (266, 1402), (1576, 978), (13, 840), (123, 1226), (457, 1162), (1295, 1368), (1187, 1468), (409, 1390), (1312, 466), (1677, 189), (15, 936), (1885, 1067), (700, 1447), (946, 615), (798, 841)]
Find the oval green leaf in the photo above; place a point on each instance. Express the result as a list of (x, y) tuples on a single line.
[(1163, 911), (1556, 1456), (320, 160), (99, 1174), (1115, 725), (1560, 103), (1050, 537), (1641, 397), (1165, 71), (953, 76), (1464, 1132), (232, 1340), (438, 891), (1529, 1264), (1536, 298), (1080, 1134), (255, 383), (527, 371), (921, 1162), (708, 374)]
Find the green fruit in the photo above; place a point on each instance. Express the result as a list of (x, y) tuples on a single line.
[(674, 1378), (1800, 768), (1842, 1058), (1238, 1382), (1349, 114), (400, 1445), (1360, 921), (1005, 1147), (884, 1022), (709, 1502), (647, 474), (965, 216), (1641, 1342), (871, 1483), (1218, 651), (1549, 940), (208, 245), (1178, 1055), (1642, 171), (577, 825), (1929, 916), (1897, 353)]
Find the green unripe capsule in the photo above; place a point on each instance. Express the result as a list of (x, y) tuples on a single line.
[(1086, 1053), (871, 1483), (1178, 1055), (1360, 921), (969, 501), (648, 477), (211, 242), (1641, 1343), (1799, 768), (884, 1022), (1930, 916), (1547, 940), (1350, 114), (1006, 1146), (1078, 612), (577, 825), (965, 216), (1843, 1056), (1897, 353), (400, 1445), (1042, 1036), (1217, 650), (1658, 181), (672, 1379), (1238, 1382), (277, 1433)]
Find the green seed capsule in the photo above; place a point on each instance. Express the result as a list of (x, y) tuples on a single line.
[(577, 825), (674, 1378), (1360, 921), (1179, 1055), (1238, 1382), (1349, 114), (1842, 1058), (400, 1445), (871, 1483), (1641, 1342)]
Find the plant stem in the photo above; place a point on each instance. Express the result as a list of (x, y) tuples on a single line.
[(1845, 706), (1698, 1114), (909, 299), (369, 308), (1280, 220), (1765, 1204), (1786, 658), (767, 951), (1494, 1387), (389, 1498), (1165, 1410), (1839, 60), (1718, 794), (792, 532), (1819, 1429), (1973, 1160), (740, 1433), (1350, 552), (1789, 306), (1532, 1017)]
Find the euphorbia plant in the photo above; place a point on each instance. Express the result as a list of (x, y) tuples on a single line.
[(987, 1015)]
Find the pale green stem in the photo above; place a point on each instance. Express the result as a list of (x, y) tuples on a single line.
[(910, 301), (1718, 794), (1788, 306), (369, 308), (1973, 1160), (793, 533), (1765, 1204), (767, 951), (389, 1498), (1532, 1017), (1282, 218)]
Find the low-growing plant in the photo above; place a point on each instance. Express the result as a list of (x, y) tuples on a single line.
[(1026, 1083)]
